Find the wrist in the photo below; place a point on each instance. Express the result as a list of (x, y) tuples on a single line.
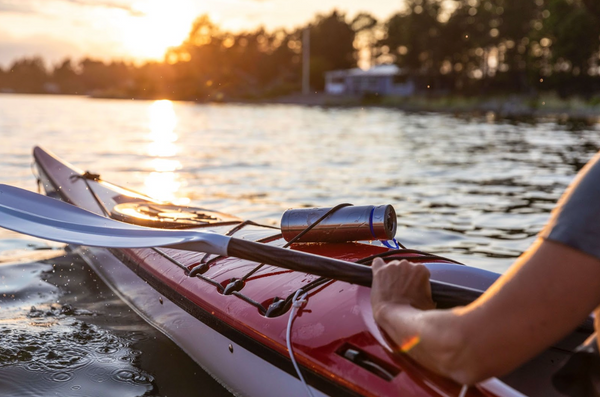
[(383, 310)]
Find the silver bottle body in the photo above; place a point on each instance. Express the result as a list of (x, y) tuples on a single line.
[(352, 223)]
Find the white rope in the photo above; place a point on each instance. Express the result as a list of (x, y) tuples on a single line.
[(297, 302)]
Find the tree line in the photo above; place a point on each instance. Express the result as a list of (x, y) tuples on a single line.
[(471, 47)]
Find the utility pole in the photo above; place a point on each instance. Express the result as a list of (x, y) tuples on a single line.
[(306, 60)]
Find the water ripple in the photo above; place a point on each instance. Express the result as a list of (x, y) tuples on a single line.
[(258, 161)]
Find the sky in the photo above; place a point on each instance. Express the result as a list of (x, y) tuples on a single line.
[(139, 30)]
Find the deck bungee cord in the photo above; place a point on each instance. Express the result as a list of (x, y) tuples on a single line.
[(399, 254), (195, 271), (204, 264), (292, 241), (278, 306), (88, 176)]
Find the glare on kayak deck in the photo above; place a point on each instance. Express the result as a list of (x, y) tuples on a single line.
[(163, 183)]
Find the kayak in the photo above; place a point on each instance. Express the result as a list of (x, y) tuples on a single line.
[(264, 330)]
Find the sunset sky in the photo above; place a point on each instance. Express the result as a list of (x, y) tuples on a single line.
[(143, 29)]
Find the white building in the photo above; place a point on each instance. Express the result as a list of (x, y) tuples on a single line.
[(381, 80)]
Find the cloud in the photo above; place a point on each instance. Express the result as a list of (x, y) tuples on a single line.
[(52, 50), (34, 7), (108, 4), (23, 7)]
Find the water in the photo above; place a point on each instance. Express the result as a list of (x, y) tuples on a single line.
[(474, 189)]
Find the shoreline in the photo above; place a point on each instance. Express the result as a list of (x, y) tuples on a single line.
[(507, 107), (513, 107)]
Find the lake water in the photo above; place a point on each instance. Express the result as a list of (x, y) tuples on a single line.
[(475, 189)]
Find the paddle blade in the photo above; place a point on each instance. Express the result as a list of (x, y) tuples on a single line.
[(40, 216)]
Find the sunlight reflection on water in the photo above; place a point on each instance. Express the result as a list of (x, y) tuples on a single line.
[(163, 183)]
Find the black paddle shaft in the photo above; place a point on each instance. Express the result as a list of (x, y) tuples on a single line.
[(445, 294)]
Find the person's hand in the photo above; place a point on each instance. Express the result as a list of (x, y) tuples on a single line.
[(400, 283)]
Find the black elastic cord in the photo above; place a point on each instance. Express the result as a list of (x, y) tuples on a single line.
[(369, 259), (310, 286), (399, 244), (206, 264), (185, 269), (315, 223), (302, 233), (96, 177), (231, 232), (88, 176), (248, 223), (251, 301), (287, 302)]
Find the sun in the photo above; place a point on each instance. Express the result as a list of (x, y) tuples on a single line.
[(160, 25)]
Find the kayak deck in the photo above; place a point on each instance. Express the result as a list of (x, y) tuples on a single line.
[(336, 342)]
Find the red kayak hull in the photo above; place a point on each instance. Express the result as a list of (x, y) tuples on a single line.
[(335, 321)]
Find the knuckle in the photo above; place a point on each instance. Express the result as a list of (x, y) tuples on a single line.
[(404, 264)]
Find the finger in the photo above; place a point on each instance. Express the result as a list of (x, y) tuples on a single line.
[(377, 264), (428, 303), (424, 272), (406, 264)]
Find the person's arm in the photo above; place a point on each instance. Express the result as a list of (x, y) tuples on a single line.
[(543, 296)]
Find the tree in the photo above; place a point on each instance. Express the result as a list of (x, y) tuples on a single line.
[(593, 6), (572, 34), (67, 78), (364, 26), (331, 47), (414, 36), (27, 75)]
